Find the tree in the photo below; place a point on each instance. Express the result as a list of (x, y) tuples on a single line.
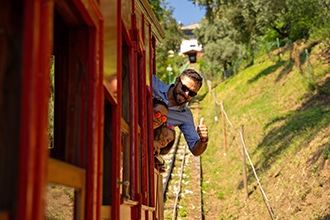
[(221, 47), (172, 41), (291, 19), (249, 22)]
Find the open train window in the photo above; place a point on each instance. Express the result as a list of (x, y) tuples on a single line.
[(107, 153), (70, 98), (51, 103), (110, 44), (11, 75), (142, 127), (59, 88), (126, 150), (71, 90)]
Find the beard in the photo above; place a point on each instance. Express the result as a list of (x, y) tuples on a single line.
[(179, 98)]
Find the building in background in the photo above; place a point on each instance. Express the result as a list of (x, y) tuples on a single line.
[(189, 45)]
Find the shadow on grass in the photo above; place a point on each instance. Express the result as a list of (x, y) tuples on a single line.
[(327, 217), (312, 116), (300, 126), (286, 69), (267, 71)]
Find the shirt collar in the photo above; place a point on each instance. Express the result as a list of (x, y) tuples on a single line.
[(164, 90)]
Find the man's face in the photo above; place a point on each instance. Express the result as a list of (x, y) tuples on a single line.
[(184, 89)]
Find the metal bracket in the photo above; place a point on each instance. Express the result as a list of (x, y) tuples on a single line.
[(126, 184)]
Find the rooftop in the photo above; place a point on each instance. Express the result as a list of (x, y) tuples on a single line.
[(190, 27)]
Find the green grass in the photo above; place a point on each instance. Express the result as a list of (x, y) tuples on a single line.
[(281, 115)]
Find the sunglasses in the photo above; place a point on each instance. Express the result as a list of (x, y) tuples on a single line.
[(184, 88), (159, 115)]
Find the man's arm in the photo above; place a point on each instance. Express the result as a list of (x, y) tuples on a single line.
[(199, 148), (201, 145)]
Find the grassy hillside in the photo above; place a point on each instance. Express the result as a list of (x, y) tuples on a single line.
[(285, 113)]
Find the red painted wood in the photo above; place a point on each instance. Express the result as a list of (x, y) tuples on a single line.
[(92, 96), (134, 128), (89, 10), (116, 126), (100, 114), (144, 133), (43, 94), (92, 149), (38, 33), (135, 185), (37, 43), (151, 140)]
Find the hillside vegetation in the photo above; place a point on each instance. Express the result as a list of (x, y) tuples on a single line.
[(283, 109)]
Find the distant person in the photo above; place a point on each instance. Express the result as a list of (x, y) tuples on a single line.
[(160, 112), (177, 96), (164, 137), (112, 85)]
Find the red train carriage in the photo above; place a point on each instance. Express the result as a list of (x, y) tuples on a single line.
[(91, 62)]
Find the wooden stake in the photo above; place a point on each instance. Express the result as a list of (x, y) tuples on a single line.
[(244, 164), (224, 128)]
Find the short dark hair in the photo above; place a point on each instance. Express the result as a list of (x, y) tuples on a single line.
[(191, 73), (156, 100)]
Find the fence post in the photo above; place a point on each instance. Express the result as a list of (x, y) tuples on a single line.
[(209, 86), (244, 164), (224, 128)]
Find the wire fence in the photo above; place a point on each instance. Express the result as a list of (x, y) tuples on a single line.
[(245, 152), (300, 58)]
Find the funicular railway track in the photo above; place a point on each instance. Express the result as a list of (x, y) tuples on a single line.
[(182, 182), (175, 165)]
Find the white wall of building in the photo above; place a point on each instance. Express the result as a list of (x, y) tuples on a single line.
[(187, 45), (191, 43)]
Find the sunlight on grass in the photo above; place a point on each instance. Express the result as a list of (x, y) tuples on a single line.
[(281, 116)]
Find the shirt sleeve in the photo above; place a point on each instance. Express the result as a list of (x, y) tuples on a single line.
[(159, 88), (188, 129)]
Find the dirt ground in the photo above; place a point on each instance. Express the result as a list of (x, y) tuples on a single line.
[(59, 202)]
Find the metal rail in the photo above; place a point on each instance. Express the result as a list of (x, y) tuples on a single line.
[(176, 170), (170, 170), (179, 188)]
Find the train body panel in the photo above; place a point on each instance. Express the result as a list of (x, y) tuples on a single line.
[(76, 107)]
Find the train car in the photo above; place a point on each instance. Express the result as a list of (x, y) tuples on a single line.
[(76, 107)]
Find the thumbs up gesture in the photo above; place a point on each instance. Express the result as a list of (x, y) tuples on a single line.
[(202, 131)]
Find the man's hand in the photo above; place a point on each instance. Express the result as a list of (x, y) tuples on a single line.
[(202, 131)]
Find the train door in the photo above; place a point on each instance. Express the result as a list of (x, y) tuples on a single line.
[(77, 134)]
